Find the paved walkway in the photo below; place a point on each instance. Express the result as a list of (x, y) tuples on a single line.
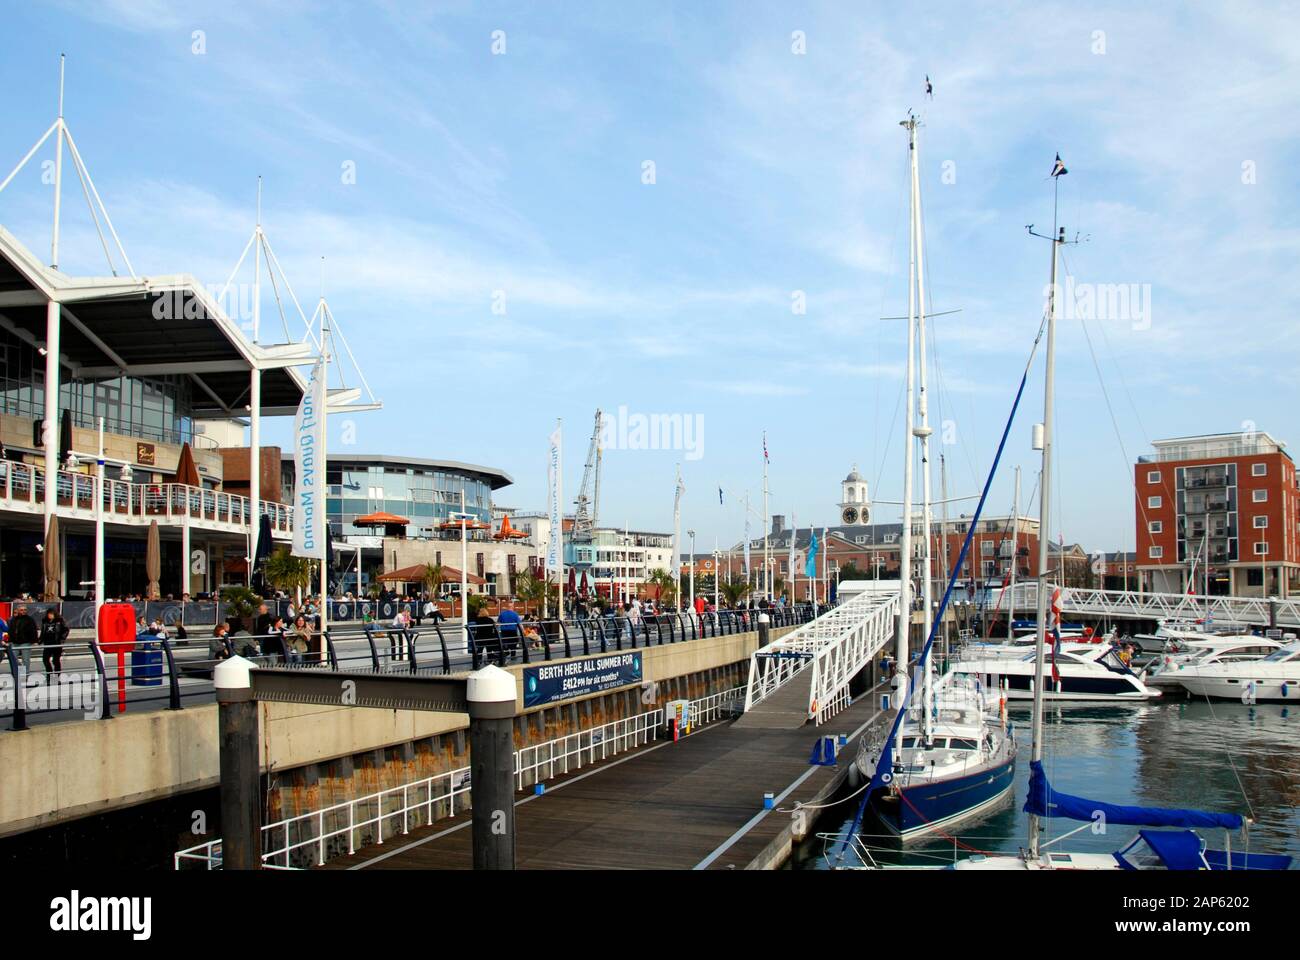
[(695, 804)]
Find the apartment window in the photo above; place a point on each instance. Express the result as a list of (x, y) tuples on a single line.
[(1258, 469), (1156, 526), (1261, 523), (1261, 548), (1155, 553), (1259, 496), (986, 548), (1153, 476), (1154, 503)]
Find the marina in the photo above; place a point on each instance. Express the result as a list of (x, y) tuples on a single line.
[(490, 442)]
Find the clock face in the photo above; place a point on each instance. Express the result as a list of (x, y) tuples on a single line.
[(850, 515)]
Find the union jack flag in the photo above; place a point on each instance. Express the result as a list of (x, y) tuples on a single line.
[(1056, 632)]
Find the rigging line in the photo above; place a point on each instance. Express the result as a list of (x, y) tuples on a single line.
[(887, 750), (1131, 477), (875, 343)]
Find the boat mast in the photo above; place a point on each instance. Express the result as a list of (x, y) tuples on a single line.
[(1015, 546), (922, 432), (1044, 515), (905, 545)]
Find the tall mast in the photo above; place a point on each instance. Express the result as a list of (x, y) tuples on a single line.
[(1015, 546), (767, 524), (905, 545), (943, 538), (1044, 516), (922, 432)]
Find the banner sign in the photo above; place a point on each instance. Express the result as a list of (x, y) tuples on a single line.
[(555, 547), (309, 469), (553, 682)]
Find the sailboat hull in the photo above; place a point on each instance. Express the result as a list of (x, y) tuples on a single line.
[(927, 808)]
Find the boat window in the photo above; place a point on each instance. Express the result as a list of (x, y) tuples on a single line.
[(963, 743), (1281, 656), (909, 743)]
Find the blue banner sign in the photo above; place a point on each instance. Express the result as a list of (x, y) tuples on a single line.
[(553, 682)]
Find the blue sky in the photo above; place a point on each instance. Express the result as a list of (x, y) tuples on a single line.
[(517, 178)]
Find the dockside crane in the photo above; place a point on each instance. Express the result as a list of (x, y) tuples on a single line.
[(587, 503)]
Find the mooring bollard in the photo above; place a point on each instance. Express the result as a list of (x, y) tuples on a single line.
[(241, 802), (764, 629), (491, 695)]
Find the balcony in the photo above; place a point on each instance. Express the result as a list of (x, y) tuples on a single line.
[(22, 489)]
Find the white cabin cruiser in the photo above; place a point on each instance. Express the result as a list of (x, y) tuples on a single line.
[(1092, 672), (1167, 668), (1271, 679)]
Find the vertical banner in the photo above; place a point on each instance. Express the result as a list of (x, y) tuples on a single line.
[(309, 469), (555, 547), (747, 543)]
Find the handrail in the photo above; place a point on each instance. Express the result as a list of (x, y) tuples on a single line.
[(553, 756)]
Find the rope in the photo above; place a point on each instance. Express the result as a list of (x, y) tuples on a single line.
[(946, 836)]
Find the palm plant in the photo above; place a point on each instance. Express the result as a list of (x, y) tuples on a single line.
[(734, 590), (665, 582), (287, 572), (241, 605), (433, 577)]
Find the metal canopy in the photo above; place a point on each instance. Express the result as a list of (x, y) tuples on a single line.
[(141, 328), (385, 691)]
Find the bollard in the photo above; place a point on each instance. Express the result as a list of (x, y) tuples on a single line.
[(241, 823), (769, 801), (764, 629), (491, 696)]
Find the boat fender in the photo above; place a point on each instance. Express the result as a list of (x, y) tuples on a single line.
[(1284, 690)]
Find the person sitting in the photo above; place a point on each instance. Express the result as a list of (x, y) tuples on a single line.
[(219, 647)]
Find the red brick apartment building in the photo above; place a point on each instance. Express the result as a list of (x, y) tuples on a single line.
[(1220, 509)]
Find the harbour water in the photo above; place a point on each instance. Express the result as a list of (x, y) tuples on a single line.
[(1218, 756)]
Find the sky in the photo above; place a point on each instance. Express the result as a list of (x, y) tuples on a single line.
[(528, 211)]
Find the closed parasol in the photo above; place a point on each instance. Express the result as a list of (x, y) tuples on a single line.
[(153, 562), (187, 471), (52, 562)]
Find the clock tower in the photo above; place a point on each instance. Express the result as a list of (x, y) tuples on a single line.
[(855, 507)]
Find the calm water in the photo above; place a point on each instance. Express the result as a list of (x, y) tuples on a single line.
[(1223, 756)]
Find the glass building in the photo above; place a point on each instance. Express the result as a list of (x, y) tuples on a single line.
[(426, 492)]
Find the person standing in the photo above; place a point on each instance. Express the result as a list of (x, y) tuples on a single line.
[(54, 631), (509, 623), (23, 635)]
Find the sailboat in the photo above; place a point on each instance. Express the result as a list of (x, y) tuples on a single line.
[(1181, 848), (1178, 849), (955, 753)]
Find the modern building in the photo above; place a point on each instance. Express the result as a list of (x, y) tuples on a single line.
[(375, 500), (1218, 512), (156, 359)]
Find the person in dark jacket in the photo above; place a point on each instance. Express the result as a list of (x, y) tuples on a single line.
[(273, 642), (54, 633), (23, 635)]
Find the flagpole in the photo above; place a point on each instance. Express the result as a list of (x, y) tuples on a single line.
[(324, 472), (767, 524)]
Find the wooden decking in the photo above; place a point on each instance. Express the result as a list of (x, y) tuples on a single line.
[(667, 806)]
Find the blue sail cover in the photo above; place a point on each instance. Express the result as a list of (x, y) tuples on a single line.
[(1046, 802)]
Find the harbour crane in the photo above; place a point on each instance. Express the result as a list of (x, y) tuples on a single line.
[(587, 503)]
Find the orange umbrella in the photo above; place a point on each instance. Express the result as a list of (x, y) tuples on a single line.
[(52, 571)]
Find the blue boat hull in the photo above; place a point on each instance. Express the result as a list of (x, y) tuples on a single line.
[(940, 804)]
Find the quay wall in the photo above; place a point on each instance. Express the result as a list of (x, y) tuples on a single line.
[(312, 755)]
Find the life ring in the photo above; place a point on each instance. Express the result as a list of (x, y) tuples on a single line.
[(813, 708)]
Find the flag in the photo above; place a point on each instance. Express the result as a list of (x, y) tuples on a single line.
[(1056, 632), (929, 87), (794, 536), (1058, 168), (719, 496), (746, 544), (309, 469), (810, 566), (766, 459)]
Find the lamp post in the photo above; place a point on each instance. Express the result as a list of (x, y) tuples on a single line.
[(691, 534), (464, 574)]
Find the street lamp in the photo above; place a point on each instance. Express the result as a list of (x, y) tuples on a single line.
[(691, 534), (463, 517)]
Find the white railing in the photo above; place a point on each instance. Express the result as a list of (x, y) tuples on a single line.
[(836, 646), (22, 487), (415, 804), (1135, 605)]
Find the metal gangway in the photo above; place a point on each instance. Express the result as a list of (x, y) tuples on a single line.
[(1137, 605), (821, 657)]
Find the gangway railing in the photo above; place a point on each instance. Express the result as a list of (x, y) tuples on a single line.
[(1137, 605), (835, 647)]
